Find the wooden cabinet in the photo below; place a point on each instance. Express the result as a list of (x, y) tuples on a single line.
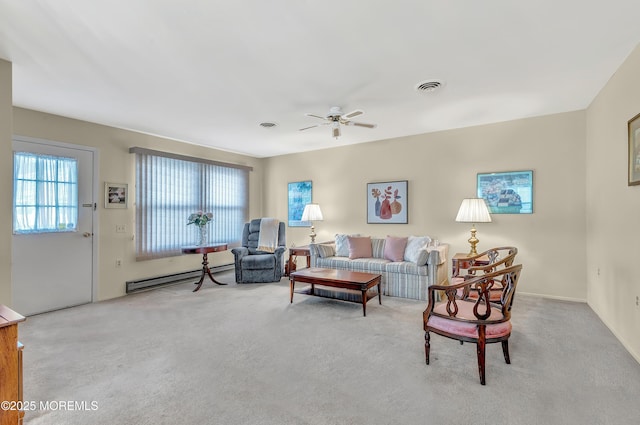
[(10, 367)]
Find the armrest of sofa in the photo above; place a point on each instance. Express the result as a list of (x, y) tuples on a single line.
[(313, 252), (437, 264)]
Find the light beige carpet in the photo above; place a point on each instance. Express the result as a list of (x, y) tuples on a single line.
[(241, 354)]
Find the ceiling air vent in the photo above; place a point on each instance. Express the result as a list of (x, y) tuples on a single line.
[(429, 86), (268, 124)]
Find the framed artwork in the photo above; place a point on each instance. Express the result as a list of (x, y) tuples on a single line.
[(634, 150), (507, 192), (387, 202), (299, 194), (116, 195)]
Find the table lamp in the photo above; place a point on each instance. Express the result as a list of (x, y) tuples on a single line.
[(473, 210), (312, 213)]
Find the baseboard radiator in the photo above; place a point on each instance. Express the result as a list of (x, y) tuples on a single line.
[(171, 279)]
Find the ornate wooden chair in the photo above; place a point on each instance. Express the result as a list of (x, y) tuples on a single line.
[(473, 320), (499, 258)]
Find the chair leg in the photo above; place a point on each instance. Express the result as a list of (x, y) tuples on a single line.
[(427, 346), (505, 351), (481, 350)]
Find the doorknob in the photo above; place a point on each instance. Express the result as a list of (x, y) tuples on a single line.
[(87, 234)]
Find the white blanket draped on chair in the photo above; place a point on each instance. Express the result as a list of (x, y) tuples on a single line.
[(268, 239)]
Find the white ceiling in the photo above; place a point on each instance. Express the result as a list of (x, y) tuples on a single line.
[(209, 72)]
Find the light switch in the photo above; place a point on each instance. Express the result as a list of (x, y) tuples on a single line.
[(121, 228)]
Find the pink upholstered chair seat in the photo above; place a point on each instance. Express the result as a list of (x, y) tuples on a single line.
[(465, 311)]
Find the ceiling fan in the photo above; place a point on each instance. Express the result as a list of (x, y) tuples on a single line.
[(336, 117)]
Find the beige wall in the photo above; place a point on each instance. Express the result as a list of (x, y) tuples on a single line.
[(441, 169), (117, 165), (578, 158), (613, 207), (6, 175)]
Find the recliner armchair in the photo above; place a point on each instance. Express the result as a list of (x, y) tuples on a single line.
[(253, 265)]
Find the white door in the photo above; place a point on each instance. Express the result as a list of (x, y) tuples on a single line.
[(52, 268)]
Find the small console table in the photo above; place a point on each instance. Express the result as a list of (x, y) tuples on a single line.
[(303, 251), (294, 251), (204, 250), (462, 261)]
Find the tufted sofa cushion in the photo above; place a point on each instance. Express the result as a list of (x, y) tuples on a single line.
[(342, 245), (325, 251), (415, 250), (394, 248), (359, 247)]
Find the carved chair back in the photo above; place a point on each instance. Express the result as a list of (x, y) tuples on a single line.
[(499, 258)]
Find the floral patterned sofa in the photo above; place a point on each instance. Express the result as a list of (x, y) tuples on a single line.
[(408, 265)]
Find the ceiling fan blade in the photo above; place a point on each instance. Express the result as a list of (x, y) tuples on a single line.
[(360, 124), (336, 131), (312, 126), (352, 114), (316, 116)]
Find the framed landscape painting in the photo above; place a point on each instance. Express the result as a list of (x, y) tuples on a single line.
[(634, 150), (507, 192), (299, 195), (387, 202)]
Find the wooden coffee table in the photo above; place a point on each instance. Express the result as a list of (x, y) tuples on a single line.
[(344, 279)]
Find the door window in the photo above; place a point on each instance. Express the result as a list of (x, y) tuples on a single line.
[(45, 193)]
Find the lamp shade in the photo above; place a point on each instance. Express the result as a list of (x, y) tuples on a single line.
[(312, 212), (473, 210)]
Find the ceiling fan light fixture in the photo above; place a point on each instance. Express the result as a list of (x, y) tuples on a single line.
[(335, 118), (335, 111), (429, 86)]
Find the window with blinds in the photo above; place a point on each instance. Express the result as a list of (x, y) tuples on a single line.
[(169, 188), (45, 193)]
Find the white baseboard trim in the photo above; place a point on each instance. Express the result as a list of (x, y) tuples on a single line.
[(170, 279), (618, 337), (553, 297)]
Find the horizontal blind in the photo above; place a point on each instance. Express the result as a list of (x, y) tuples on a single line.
[(168, 190)]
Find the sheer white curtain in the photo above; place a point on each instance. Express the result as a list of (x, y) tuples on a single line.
[(170, 188), (45, 193)]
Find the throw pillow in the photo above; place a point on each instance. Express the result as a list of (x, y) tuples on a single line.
[(394, 248), (325, 251), (359, 247), (414, 245), (342, 247)]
